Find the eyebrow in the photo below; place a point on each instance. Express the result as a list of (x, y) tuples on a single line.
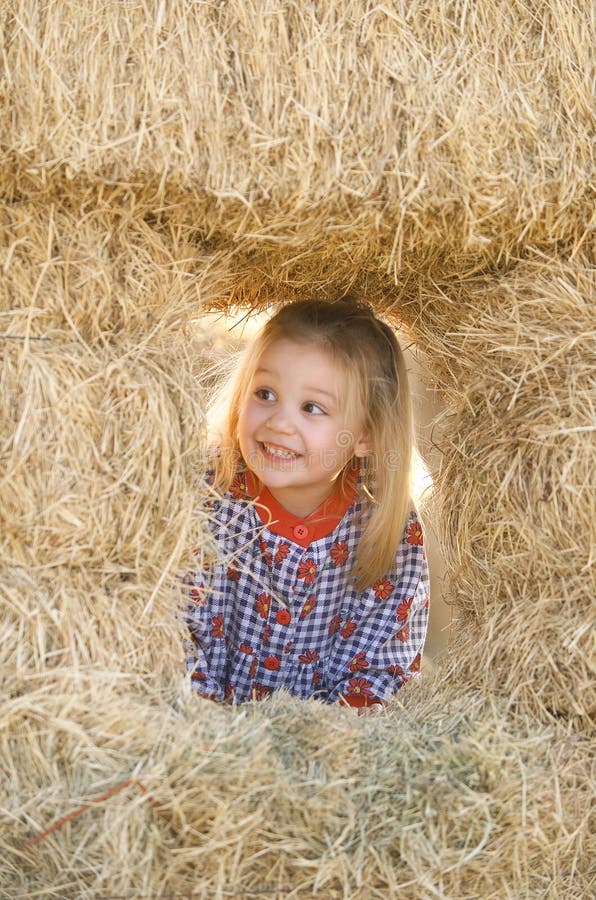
[(311, 390)]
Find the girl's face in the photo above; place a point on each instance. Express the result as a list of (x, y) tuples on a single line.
[(292, 431)]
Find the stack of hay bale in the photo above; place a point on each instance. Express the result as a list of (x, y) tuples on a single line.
[(162, 159)]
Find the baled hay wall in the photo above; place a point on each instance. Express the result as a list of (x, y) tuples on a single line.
[(161, 157), (445, 796), (515, 494), (101, 427), (346, 135)]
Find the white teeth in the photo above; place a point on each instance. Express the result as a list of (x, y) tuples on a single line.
[(275, 451)]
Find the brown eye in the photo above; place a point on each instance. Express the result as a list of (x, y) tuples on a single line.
[(264, 394), (314, 408)]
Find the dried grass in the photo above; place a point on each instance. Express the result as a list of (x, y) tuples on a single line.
[(460, 800), (375, 138), (159, 159), (516, 367)]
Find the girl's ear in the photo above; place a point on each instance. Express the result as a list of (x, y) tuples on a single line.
[(363, 446)]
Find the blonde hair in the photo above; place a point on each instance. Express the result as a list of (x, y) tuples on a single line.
[(377, 390)]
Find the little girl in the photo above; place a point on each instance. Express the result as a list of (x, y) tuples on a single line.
[(321, 583)]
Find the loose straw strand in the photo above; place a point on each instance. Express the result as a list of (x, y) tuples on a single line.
[(81, 809)]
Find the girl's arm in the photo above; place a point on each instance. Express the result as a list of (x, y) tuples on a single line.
[(386, 647), (203, 637), (203, 616)]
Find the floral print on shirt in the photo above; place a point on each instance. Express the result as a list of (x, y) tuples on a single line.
[(280, 615)]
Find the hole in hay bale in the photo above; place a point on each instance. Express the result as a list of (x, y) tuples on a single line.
[(226, 333)]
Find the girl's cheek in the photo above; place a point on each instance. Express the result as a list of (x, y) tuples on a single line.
[(254, 418), (247, 414)]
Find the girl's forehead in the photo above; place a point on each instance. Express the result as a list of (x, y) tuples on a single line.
[(284, 353)]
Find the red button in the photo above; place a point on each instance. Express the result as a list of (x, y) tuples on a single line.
[(300, 532)]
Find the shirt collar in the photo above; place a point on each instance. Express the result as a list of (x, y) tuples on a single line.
[(319, 524)]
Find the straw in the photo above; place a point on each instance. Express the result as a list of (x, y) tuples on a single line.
[(161, 161)]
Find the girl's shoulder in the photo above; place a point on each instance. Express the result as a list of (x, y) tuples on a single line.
[(413, 530), (217, 494)]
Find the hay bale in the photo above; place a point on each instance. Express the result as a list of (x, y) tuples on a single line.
[(144, 179), (317, 141), (461, 799), (89, 276), (101, 429), (513, 355)]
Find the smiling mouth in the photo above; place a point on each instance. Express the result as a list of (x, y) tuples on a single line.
[(277, 452)]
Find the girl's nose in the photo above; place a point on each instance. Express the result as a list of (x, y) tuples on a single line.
[(280, 422)]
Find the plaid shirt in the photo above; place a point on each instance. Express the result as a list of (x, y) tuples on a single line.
[(279, 612)]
